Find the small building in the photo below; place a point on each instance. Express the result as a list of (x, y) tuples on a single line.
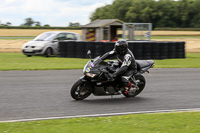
[(104, 29)]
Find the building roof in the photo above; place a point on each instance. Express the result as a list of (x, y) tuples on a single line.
[(101, 23)]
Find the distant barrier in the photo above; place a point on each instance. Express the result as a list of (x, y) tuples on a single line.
[(140, 49)]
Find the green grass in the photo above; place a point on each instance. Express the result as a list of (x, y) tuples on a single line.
[(192, 61), (18, 61), (185, 122)]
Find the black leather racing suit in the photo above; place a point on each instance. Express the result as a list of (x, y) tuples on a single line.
[(127, 62)]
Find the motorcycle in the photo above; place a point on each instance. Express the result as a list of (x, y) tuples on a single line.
[(96, 79)]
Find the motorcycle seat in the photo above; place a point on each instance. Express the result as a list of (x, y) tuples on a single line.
[(144, 63)]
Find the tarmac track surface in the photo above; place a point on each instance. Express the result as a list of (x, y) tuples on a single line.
[(43, 94)]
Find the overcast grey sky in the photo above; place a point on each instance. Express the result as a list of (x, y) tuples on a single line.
[(52, 12)]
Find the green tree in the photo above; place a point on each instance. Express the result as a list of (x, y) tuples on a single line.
[(162, 13), (28, 22), (37, 23), (74, 24), (194, 13), (6, 24), (165, 14), (46, 25), (104, 12), (183, 6), (141, 11), (119, 8)]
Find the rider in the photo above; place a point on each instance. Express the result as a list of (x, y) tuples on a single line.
[(126, 59)]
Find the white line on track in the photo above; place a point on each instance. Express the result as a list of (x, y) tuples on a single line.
[(103, 115)]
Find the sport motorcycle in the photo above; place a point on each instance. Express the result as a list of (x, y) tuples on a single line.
[(96, 79)]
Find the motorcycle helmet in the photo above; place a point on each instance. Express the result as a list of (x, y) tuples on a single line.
[(121, 46)]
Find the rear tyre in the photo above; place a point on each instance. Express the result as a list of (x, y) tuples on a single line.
[(140, 84), (81, 90), (28, 55), (48, 52)]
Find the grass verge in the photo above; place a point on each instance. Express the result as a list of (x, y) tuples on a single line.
[(185, 122), (18, 61), (192, 61)]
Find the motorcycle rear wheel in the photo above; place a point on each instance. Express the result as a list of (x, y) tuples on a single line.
[(140, 84), (80, 90)]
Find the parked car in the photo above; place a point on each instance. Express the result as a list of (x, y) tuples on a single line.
[(47, 43)]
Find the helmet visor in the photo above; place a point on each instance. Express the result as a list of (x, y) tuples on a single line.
[(120, 50)]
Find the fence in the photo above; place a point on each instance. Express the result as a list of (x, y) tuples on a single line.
[(140, 49), (137, 31)]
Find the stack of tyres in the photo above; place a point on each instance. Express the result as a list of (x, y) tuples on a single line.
[(163, 50), (155, 50), (99, 48), (137, 50), (131, 46), (62, 49), (141, 50), (80, 49), (109, 46), (171, 50), (180, 50), (71, 49), (146, 50)]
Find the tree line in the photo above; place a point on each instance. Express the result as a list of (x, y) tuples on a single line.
[(30, 23), (161, 13)]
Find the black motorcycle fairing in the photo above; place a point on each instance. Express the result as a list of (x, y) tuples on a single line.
[(107, 88), (97, 69)]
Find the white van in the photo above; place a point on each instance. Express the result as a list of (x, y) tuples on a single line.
[(47, 43)]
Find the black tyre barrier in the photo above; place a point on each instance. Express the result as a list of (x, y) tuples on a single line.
[(180, 50), (171, 50), (137, 49), (71, 49), (80, 49), (140, 49), (155, 50), (61, 47), (99, 49), (109, 46), (146, 53), (163, 50)]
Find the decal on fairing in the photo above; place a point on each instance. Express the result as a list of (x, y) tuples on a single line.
[(87, 69)]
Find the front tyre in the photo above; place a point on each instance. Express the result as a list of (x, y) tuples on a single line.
[(81, 90), (137, 88)]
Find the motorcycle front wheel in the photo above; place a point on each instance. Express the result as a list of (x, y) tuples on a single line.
[(140, 81), (80, 90)]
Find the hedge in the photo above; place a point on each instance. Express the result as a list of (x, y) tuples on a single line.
[(39, 27)]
